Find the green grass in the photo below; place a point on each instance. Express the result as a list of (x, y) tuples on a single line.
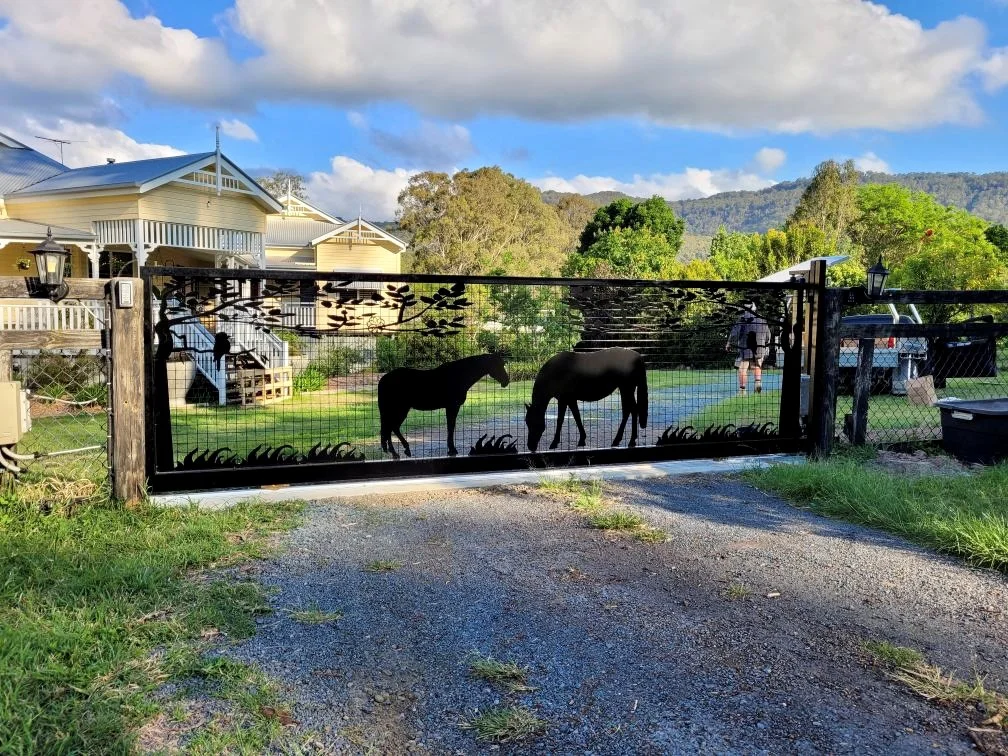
[(313, 615), (739, 411), (586, 498), (383, 565), (893, 655), (508, 675), (966, 516), (737, 592), (99, 609), (615, 520), (505, 724)]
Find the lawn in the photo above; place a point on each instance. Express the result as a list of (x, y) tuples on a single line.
[(966, 516), (352, 416), (740, 411), (99, 607)]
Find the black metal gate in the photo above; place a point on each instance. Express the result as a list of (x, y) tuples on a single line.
[(269, 377)]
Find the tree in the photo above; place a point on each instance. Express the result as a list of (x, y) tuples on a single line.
[(830, 200), (625, 253), (624, 214), (732, 255), (279, 183), (483, 221), (575, 212), (998, 236), (903, 226)]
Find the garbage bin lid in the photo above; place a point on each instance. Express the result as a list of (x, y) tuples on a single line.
[(976, 406)]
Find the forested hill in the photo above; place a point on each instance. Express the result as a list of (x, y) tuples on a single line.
[(984, 194)]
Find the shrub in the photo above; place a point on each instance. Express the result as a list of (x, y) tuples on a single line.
[(49, 371), (418, 351), (337, 361), (96, 392), (295, 344), (309, 379)]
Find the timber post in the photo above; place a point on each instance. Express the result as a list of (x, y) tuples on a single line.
[(126, 325), (823, 360), (862, 390)]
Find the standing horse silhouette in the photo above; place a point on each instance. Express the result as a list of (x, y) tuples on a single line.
[(444, 387), (570, 377)]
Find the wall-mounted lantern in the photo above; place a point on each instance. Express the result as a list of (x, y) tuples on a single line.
[(50, 260)]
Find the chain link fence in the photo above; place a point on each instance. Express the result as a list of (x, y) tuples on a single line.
[(69, 394), (906, 383)]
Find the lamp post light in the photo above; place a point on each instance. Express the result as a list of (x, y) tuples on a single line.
[(50, 260), (877, 275)]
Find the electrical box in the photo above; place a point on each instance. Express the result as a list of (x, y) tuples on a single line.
[(15, 412)]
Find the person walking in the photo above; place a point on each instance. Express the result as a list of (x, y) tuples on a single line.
[(750, 336)]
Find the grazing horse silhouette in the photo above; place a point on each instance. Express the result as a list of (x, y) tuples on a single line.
[(444, 387), (570, 377)]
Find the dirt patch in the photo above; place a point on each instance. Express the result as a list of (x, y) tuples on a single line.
[(921, 463), (40, 409), (355, 382)]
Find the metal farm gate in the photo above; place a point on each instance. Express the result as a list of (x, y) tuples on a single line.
[(265, 377)]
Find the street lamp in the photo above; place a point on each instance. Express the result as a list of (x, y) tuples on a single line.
[(50, 260), (877, 275)]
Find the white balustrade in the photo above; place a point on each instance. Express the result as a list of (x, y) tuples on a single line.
[(49, 316)]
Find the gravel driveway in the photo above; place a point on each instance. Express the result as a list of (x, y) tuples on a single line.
[(633, 647)]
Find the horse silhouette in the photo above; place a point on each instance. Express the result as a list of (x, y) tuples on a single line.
[(444, 387), (570, 377)]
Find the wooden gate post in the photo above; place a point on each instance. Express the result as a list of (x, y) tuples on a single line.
[(824, 358), (862, 390), (129, 483)]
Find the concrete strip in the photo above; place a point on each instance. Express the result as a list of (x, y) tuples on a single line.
[(314, 492)]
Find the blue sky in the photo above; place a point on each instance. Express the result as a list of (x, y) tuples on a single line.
[(679, 98)]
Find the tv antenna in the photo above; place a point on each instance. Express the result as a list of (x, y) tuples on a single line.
[(60, 142)]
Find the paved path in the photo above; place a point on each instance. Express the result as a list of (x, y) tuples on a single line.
[(634, 647)]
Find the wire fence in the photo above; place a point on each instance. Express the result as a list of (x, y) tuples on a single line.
[(910, 375), (69, 396)]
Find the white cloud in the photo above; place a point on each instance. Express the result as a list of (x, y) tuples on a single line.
[(350, 186), (89, 144), (769, 159), (435, 145), (691, 182), (238, 130), (785, 66), (871, 162), (994, 70)]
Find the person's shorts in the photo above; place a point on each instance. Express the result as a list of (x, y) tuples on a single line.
[(753, 362)]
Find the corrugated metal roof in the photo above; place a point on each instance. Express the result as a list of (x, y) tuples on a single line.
[(132, 173), (12, 228), (295, 232), (22, 166)]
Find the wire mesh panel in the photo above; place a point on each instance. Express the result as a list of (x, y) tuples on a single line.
[(264, 377), (909, 374), (69, 395)]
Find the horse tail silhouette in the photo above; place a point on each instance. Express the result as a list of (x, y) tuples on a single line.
[(642, 394)]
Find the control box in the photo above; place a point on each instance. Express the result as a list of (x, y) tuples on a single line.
[(15, 412)]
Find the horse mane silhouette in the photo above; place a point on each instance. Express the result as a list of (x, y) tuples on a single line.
[(444, 387), (570, 377)]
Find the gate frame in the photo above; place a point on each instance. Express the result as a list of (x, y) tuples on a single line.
[(176, 481), (121, 335)]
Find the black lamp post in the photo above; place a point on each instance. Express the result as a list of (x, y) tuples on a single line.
[(50, 260), (877, 275)]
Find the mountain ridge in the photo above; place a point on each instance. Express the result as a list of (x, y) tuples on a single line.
[(984, 194)]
